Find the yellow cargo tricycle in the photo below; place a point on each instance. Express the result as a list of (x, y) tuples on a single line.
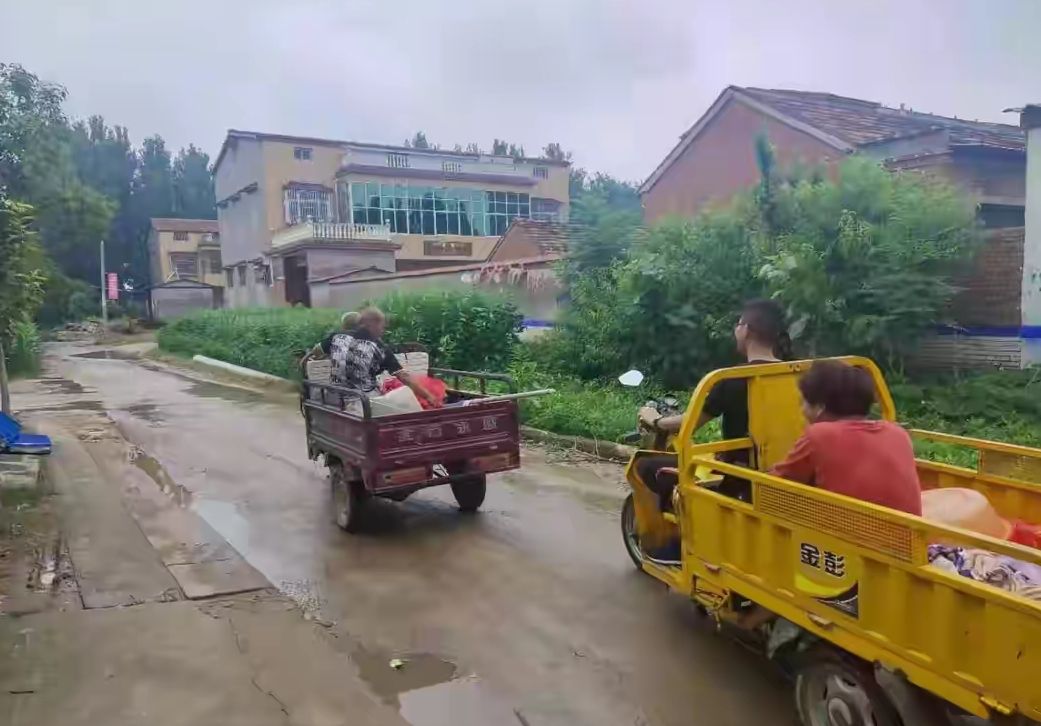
[(840, 591)]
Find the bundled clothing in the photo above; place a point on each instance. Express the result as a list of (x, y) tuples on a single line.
[(1007, 573)]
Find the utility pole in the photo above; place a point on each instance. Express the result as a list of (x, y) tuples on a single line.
[(104, 301)]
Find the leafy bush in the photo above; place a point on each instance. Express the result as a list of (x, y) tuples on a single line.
[(669, 309), (23, 349), (465, 330), (865, 264)]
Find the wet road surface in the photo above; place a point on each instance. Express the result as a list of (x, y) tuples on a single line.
[(529, 612)]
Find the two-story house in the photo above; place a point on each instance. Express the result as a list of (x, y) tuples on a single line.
[(294, 211), (185, 249)]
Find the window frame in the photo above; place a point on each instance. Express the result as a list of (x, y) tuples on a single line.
[(183, 257), (303, 153)]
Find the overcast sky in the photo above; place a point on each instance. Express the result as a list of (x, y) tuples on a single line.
[(615, 82)]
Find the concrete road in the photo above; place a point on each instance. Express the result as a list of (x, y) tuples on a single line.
[(530, 609)]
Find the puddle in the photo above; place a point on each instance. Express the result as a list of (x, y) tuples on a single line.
[(157, 473), (62, 384), (146, 411), (108, 355), (418, 670), (428, 691), (225, 393)]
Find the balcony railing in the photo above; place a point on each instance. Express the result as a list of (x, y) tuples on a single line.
[(330, 232)]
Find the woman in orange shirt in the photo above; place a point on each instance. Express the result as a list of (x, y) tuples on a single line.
[(844, 451)]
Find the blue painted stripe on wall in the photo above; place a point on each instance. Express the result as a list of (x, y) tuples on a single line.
[(536, 323), (1025, 331)]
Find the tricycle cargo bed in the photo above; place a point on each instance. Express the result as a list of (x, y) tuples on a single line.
[(418, 448)]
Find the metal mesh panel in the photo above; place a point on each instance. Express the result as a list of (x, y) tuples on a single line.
[(867, 530), (1011, 466)]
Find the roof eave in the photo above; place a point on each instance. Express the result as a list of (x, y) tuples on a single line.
[(734, 93)]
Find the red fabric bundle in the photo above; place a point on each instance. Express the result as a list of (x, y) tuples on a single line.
[(434, 385)]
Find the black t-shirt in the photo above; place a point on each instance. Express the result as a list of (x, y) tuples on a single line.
[(729, 399)]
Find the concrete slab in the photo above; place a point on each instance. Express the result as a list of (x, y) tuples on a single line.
[(217, 577), (179, 664), (114, 562)]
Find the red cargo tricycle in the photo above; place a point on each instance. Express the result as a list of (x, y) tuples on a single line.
[(393, 456)]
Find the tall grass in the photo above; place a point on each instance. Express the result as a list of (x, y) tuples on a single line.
[(269, 340)]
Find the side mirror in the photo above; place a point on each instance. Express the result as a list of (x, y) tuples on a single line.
[(631, 379)]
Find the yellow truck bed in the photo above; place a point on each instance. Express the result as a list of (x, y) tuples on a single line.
[(855, 574)]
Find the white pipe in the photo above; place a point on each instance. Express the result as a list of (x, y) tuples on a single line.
[(238, 370)]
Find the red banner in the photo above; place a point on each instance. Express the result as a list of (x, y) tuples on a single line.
[(112, 286)]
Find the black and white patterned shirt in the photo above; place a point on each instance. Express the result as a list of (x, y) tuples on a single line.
[(358, 359)]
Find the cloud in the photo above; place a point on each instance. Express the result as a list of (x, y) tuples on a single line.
[(615, 81)]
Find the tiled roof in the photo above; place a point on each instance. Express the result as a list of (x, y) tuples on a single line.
[(859, 122), (163, 224), (551, 237)]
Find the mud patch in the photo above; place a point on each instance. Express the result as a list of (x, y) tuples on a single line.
[(108, 355), (155, 471), (63, 385), (146, 411)]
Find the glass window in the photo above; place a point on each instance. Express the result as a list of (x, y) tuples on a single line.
[(453, 223), (511, 197), (428, 223), (442, 223)]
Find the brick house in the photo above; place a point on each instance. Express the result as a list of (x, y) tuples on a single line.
[(715, 159)]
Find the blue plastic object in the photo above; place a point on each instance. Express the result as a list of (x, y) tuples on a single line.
[(13, 441)]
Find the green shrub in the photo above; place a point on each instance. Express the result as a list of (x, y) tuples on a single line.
[(83, 304), (863, 264), (269, 340), (465, 330), (23, 348)]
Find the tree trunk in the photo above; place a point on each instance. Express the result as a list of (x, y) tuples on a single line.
[(5, 394)]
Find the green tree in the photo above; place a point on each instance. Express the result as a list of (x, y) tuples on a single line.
[(419, 141), (865, 264), (30, 113), (554, 152), (194, 197), (501, 147), (21, 279)]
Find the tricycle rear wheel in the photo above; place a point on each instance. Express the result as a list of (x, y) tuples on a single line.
[(349, 497), (469, 492), (835, 689)]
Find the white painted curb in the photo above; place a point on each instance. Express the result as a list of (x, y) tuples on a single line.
[(238, 370)]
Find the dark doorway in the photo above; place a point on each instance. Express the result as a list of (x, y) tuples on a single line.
[(297, 289)]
